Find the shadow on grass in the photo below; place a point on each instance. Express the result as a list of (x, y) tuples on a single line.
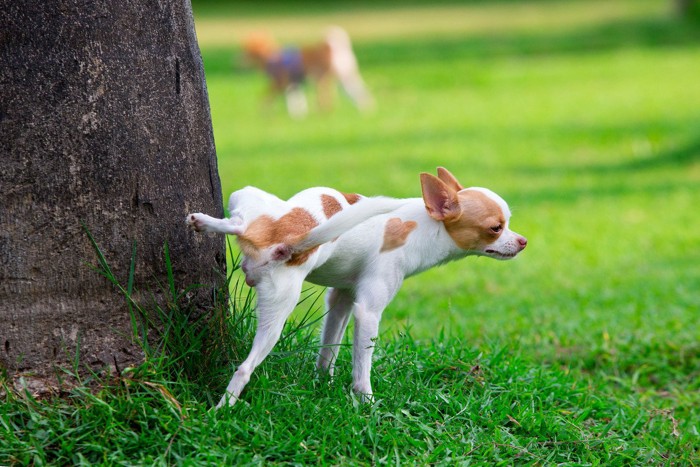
[(616, 180), (281, 8), (679, 156), (652, 32), (601, 192), (685, 154)]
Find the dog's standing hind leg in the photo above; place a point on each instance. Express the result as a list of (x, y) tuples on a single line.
[(339, 304), (276, 301)]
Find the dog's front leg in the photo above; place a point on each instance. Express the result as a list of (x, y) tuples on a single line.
[(371, 301), (324, 91), (296, 101), (277, 296)]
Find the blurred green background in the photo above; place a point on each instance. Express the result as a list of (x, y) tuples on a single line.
[(583, 115)]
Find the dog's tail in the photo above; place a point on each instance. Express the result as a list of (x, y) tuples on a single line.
[(345, 220)]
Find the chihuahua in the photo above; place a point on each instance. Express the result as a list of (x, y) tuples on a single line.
[(323, 63), (362, 248)]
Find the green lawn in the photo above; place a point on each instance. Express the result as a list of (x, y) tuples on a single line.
[(585, 117)]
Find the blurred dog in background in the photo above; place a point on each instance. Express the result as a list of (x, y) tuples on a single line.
[(322, 64)]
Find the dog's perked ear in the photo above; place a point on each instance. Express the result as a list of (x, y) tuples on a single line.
[(449, 179), (440, 199)]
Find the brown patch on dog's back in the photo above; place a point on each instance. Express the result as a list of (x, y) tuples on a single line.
[(247, 247), (265, 231), (352, 198), (396, 233), (330, 206), (472, 229), (317, 60)]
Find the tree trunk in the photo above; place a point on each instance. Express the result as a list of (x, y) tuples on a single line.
[(687, 8), (104, 120)]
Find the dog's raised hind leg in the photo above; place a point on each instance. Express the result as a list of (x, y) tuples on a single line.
[(204, 223), (276, 301)]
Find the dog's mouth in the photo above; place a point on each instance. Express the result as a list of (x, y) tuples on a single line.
[(500, 255)]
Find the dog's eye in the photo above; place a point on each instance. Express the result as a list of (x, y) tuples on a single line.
[(497, 228)]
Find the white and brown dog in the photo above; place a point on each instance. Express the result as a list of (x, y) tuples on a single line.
[(362, 248), (324, 63)]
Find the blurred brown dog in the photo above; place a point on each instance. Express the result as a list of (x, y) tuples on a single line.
[(323, 63)]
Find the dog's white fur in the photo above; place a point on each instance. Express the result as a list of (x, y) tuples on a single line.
[(344, 64), (362, 251)]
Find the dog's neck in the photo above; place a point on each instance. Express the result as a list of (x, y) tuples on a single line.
[(430, 245)]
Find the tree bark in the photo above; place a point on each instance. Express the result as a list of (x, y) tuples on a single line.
[(104, 120), (687, 8)]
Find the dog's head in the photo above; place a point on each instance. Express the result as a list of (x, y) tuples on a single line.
[(259, 263), (259, 47), (475, 218)]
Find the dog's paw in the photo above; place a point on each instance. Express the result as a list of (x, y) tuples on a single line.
[(362, 400), (196, 221), (363, 392), (227, 400)]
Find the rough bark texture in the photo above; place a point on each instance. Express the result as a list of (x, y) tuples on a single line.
[(683, 6), (104, 120)]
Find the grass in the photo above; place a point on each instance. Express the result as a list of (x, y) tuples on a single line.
[(584, 351)]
